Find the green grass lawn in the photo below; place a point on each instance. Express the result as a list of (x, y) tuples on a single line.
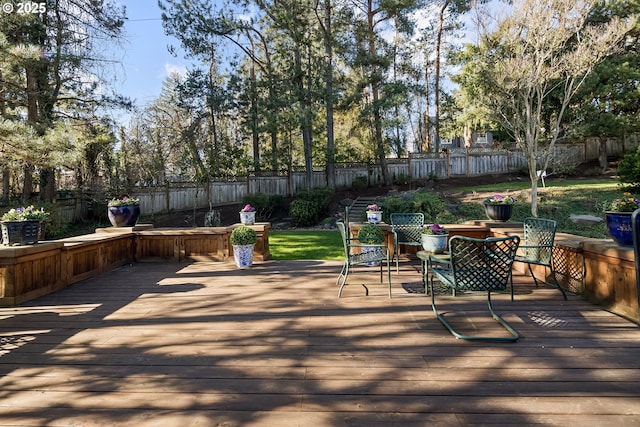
[(560, 199), (306, 244)]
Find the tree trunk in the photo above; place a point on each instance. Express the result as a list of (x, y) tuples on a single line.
[(328, 48), (375, 93), (436, 90), (305, 125), (602, 153), (254, 118)]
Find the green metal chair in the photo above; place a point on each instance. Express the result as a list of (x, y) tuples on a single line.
[(476, 265), (537, 248), (361, 254), (407, 230)]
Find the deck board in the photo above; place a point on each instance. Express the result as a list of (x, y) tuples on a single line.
[(205, 344)]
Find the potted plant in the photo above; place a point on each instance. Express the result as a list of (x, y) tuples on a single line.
[(434, 238), (124, 211), (243, 240), (23, 225), (374, 214), (248, 215), (370, 234), (617, 215), (499, 207)]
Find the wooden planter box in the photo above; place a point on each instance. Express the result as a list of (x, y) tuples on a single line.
[(92, 254), (27, 272), (176, 245), (610, 279)]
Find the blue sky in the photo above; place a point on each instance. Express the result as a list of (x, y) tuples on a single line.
[(145, 59)]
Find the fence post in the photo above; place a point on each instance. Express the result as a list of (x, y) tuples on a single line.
[(466, 159), (634, 229)]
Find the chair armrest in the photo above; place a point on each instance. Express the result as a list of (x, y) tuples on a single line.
[(434, 258), (534, 246), (383, 247)]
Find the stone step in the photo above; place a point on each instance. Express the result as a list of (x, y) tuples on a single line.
[(357, 211)]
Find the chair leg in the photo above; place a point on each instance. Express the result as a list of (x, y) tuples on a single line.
[(511, 280), (532, 275), (388, 276), (555, 280), (345, 270), (514, 334), (396, 255)]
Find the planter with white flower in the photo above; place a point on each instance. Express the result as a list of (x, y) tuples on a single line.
[(434, 238), (617, 215), (23, 226), (374, 214), (243, 240), (123, 212), (499, 207), (248, 215)]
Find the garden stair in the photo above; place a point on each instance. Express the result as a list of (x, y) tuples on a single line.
[(359, 207)]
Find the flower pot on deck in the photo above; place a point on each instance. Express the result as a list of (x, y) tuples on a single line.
[(619, 227), (123, 216)]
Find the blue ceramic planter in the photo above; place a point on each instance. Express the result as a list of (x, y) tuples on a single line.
[(619, 227), (123, 216)]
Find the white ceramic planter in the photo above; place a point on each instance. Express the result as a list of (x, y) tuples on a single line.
[(248, 218), (243, 255), (371, 248), (374, 217), (435, 243)]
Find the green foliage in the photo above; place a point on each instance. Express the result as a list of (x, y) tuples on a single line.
[(370, 234), (25, 214), (243, 235), (425, 202), (629, 169), (303, 212), (264, 204), (360, 183), (401, 179), (310, 205)]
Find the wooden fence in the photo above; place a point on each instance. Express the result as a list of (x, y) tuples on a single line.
[(417, 168)]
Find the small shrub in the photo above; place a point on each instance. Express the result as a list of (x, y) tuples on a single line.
[(425, 202), (629, 169), (303, 212), (320, 196), (370, 234), (360, 183), (401, 179), (264, 204), (243, 235)]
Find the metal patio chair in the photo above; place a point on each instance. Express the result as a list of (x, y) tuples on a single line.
[(407, 230), (361, 254), (476, 265), (537, 248)]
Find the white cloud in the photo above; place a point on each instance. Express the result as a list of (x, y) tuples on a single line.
[(174, 68)]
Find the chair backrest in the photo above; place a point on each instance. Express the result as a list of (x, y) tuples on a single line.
[(539, 232), (343, 233), (482, 264), (407, 226), (404, 218)]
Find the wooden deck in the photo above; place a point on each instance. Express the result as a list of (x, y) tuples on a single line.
[(204, 344)]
